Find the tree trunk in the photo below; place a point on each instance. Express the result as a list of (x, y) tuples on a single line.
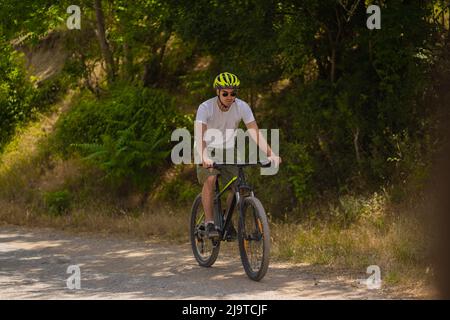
[(448, 9), (333, 64), (128, 61), (152, 69), (356, 145), (101, 34)]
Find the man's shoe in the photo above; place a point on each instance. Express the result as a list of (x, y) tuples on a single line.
[(211, 231)]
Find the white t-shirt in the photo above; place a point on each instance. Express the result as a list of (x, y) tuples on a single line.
[(214, 118)]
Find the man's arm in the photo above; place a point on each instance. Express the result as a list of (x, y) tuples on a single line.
[(261, 142)]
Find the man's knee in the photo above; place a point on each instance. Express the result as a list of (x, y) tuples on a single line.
[(210, 181)]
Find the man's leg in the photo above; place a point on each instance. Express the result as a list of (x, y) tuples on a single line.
[(207, 201), (207, 197)]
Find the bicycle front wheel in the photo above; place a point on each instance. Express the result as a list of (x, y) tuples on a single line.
[(254, 238), (205, 250)]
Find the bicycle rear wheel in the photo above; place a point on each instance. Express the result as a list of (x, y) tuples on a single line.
[(254, 238), (205, 250)]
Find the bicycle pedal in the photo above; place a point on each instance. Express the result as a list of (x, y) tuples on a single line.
[(230, 237)]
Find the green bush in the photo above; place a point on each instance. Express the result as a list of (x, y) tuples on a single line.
[(20, 101), (348, 211), (16, 92), (49, 91), (57, 202), (300, 168), (129, 156), (179, 192), (126, 133), (124, 105)]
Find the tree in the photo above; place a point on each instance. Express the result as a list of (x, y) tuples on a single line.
[(106, 52)]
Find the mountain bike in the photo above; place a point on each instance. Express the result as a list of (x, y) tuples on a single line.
[(253, 232)]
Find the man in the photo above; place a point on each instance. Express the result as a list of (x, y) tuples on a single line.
[(222, 113)]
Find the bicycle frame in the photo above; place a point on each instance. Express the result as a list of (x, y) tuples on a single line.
[(218, 215)]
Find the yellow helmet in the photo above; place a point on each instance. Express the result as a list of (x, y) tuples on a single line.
[(226, 80)]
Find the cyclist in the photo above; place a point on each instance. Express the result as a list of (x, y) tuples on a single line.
[(225, 111)]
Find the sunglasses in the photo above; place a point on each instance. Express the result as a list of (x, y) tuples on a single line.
[(233, 94)]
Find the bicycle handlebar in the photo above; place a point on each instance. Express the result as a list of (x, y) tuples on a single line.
[(266, 164)]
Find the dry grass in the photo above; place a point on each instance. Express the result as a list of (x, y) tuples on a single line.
[(164, 225), (394, 241)]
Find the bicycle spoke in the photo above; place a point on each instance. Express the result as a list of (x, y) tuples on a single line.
[(253, 239), (204, 246), (205, 250)]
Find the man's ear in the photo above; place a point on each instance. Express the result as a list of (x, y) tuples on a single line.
[(217, 91)]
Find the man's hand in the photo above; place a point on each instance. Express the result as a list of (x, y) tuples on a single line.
[(276, 160), (207, 163)]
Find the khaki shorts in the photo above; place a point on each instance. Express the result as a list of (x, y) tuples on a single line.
[(226, 173)]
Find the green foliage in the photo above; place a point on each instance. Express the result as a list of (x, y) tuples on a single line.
[(127, 133), (129, 156), (348, 210), (248, 33), (299, 170), (58, 202), (179, 192), (359, 121), (50, 91), (20, 98), (15, 91), (123, 106), (29, 19)]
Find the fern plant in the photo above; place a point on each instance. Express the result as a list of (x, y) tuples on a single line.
[(128, 156)]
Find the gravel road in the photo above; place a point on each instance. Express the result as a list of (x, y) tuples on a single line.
[(34, 264)]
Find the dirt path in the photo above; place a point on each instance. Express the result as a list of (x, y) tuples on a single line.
[(33, 265)]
